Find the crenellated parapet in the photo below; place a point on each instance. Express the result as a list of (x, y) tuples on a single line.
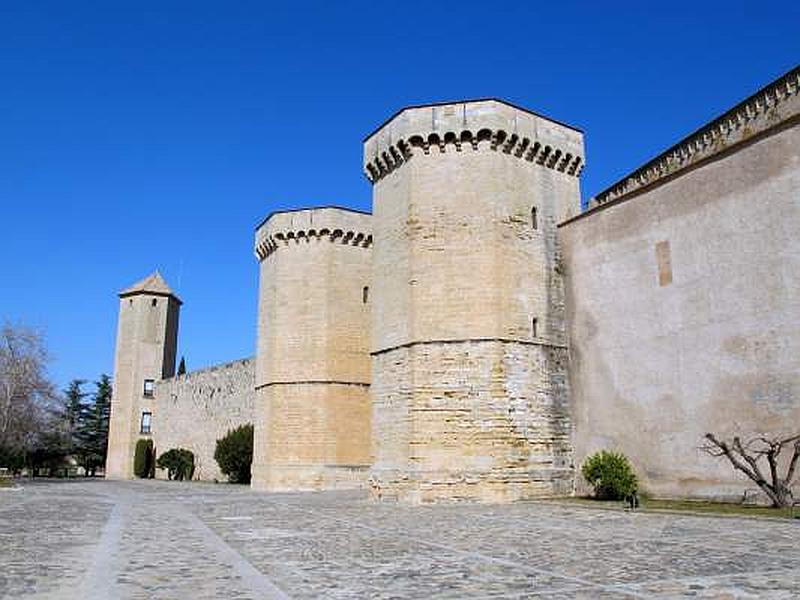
[(774, 104), (329, 224), (473, 126)]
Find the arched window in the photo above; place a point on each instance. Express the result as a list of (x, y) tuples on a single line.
[(154, 302), (365, 294), (534, 327), (534, 218)]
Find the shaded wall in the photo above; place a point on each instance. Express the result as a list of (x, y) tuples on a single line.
[(684, 310)]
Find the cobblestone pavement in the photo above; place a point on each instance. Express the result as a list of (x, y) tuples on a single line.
[(148, 539)]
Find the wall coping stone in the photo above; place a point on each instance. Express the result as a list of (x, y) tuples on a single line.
[(775, 103)]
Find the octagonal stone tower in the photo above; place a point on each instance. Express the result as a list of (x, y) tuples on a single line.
[(312, 427), (469, 386)]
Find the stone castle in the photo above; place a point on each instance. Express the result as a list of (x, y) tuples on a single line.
[(478, 335)]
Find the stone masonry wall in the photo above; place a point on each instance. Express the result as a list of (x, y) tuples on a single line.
[(684, 310), (193, 411), (496, 423)]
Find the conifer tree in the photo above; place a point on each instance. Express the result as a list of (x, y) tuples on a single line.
[(93, 430), (71, 415)]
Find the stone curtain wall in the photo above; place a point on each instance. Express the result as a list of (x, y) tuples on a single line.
[(193, 411), (684, 311)]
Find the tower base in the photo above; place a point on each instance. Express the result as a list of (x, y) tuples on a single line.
[(428, 487), (479, 420), (309, 478)]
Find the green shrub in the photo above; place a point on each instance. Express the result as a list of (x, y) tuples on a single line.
[(234, 453), (611, 475), (143, 459), (178, 462)]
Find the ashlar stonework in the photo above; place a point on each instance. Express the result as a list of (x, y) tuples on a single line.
[(194, 410)]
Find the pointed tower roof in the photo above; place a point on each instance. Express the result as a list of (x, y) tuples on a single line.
[(152, 284)]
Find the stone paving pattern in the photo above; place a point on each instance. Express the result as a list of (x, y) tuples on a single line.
[(151, 539)]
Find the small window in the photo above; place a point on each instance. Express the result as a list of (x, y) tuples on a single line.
[(535, 327), (148, 388), (534, 218), (146, 417), (154, 302), (365, 294)]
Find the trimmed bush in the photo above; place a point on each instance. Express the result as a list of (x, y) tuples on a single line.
[(178, 462), (143, 459), (234, 453), (611, 475)]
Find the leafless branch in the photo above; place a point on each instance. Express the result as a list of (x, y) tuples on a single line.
[(745, 458)]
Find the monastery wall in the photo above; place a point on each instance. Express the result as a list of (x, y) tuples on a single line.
[(194, 410), (684, 300)]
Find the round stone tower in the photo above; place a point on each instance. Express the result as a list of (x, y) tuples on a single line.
[(469, 385), (312, 428)]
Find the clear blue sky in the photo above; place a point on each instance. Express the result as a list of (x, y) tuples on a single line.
[(145, 135)]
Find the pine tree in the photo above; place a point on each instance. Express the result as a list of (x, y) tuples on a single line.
[(182, 367), (72, 414), (93, 430)]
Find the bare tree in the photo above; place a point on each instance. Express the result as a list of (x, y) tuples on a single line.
[(746, 458), (26, 393)]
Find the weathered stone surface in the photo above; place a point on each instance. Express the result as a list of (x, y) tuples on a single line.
[(482, 421), (193, 411), (684, 300)]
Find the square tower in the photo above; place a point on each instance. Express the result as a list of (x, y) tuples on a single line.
[(147, 340)]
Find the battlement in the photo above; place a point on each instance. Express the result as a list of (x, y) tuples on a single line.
[(477, 125), (774, 104), (333, 224)]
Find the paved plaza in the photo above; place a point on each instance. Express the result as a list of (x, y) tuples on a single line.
[(148, 539)]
